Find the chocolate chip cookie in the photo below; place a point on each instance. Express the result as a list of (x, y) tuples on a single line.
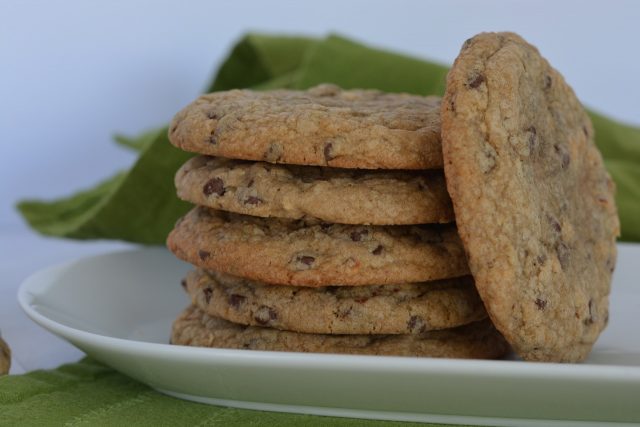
[(533, 202), (408, 308), (313, 253), (476, 340), (323, 126), (346, 196), (5, 357)]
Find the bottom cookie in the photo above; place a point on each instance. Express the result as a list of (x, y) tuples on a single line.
[(5, 357), (478, 340)]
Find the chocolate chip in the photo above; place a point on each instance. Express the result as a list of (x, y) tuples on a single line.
[(236, 300), (611, 265), (541, 304), (303, 262), (541, 259), (361, 300), (563, 252), (343, 313), (208, 292), (532, 138), (593, 315), (212, 115), (325, 226), (377, 250), (328, 152), (203, 254), (416, 324), (565, 158), (252, 200), (547, 81), (183, 283), (265, 315), (356, 236), (214, 186), (475, 81), (250, 183), (307, 260), (554, 224)]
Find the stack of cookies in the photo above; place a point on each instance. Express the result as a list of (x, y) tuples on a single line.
[(323, 224)]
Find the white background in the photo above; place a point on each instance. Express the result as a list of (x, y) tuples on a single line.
[(72, 73)]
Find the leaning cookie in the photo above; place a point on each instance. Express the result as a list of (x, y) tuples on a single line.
[(408, 308), (323, 126), (478, 340), (312, 253), (5, 357), (344, 196), (534, 204)]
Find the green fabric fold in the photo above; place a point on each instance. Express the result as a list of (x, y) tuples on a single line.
[(256, 59), (140, 205), (88, 393), (137, 206)]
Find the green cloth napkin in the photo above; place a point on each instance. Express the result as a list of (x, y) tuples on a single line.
[(140, 205), (90, 394)]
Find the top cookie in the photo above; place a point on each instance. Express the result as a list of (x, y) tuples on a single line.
[(323, 126), (533, 202)]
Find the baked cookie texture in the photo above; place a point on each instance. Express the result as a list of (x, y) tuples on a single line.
[(476, 340), (323, 126), (344, 196), (312, 253), (533, 203), (410, 308), (5, 357)]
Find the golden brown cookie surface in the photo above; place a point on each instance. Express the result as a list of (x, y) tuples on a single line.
[(409, 308), (478, 340), (534, 204), (344, 196), (323, 126), (313, 253)]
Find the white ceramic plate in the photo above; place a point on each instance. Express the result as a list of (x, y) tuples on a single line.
[(118, 308)]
